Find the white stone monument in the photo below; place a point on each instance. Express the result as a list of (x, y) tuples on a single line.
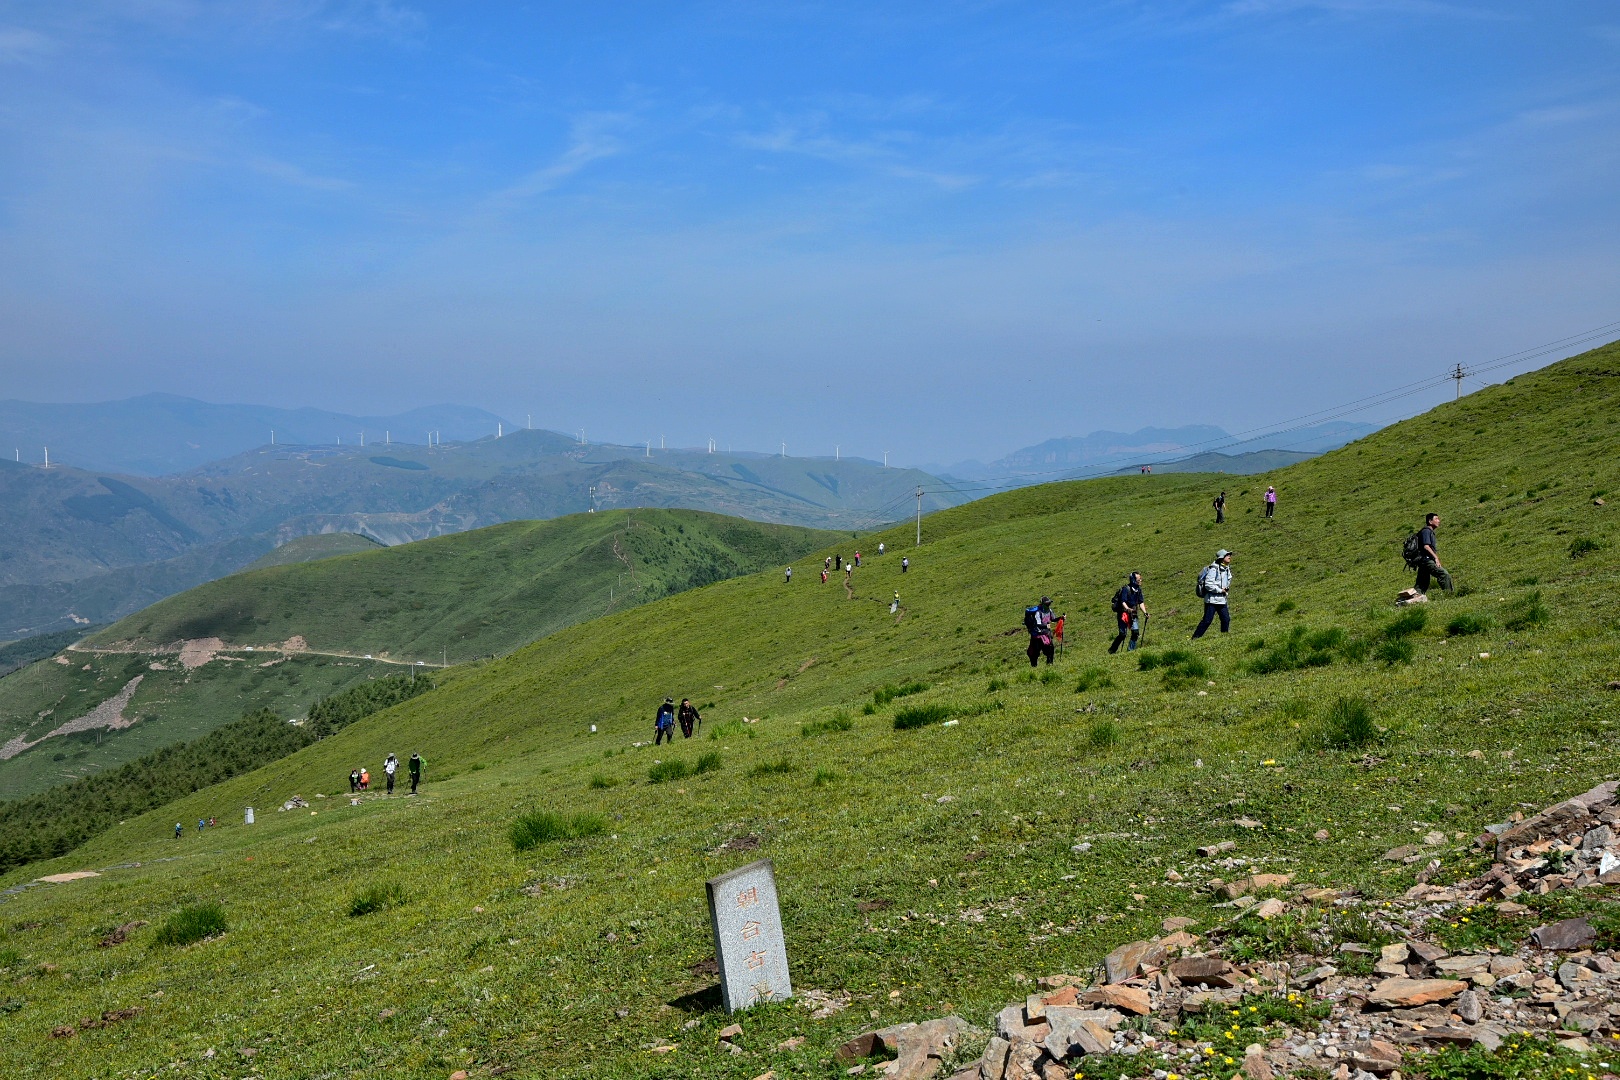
[(748, 940)]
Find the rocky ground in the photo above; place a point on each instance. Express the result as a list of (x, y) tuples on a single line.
[(1321, 982)]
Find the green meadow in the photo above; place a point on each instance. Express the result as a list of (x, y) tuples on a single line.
[(944, 821)]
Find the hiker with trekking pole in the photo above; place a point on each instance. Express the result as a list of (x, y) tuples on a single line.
[(1038, 621), (1130, 613), (664, 723), (1213, 585), (690, 718)]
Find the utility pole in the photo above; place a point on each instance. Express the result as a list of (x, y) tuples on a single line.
[(1458, 374), (919, 515)]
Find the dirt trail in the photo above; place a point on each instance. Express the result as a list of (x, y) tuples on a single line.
[(109, 714), (197, 648)]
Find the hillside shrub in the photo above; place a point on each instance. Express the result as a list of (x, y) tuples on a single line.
[(1527, 612), (706, 763), (1348, 726), (663, 772), (1104, 734), (1467, 624), (332, 714), (1582, 546), (377, 897), (1284, 607), (995, 685), (840, 721), (883, 695), (543, 826), (1392, 651), (1409, 622), (191, 924), (920, 716), (1093, 678), (779, 767)]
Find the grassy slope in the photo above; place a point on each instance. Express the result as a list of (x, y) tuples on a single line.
[(314, 548), (474, 593), (473, 971)]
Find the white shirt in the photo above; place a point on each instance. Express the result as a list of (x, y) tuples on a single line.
[(390, 766)]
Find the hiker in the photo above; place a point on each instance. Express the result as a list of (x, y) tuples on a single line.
[(1428, 560), (894, 607), (824, 575), (1213, 584), (789, 577), (390, 767), (664, 723), (880, 548), (838, 562), (365, 778), (905, 563), (211, 823), (414, 767), (354, 781), (1038, 621), (690, 718), (1130, 609), (826, 564), (179, 830), (1271, 501), (201, 824), (857, 558), (1220, 508)]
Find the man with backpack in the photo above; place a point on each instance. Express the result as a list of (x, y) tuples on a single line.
[(414, 767), (1130, 611), (664, 723), (1420, 552), (1038, 621), (1213, 585), (690, 719)]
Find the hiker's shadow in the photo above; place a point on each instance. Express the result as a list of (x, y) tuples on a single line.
[(705, 1000)]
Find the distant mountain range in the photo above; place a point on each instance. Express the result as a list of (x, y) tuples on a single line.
[(86, 546), (1103, 452), (161, 434)]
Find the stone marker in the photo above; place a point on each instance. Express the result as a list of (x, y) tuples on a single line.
[(748, 938)]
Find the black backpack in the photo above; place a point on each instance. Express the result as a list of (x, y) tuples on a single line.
[(1412, 551), (1030, 615), (1119, 601)]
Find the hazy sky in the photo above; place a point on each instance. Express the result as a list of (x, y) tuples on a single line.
[(942, 229)]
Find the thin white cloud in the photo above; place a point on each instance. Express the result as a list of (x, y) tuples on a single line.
[(18, 44), (591, 141)]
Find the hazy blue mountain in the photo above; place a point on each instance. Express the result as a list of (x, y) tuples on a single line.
[(1104, 452), (81, 546), (162, 434), (1255, 461)]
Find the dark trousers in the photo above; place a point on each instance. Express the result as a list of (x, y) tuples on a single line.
[(1220, 514), (1428, 569), (416, 778), (664, 733), (1130, 626), (1037, 646), (390, 783), (1271, 508), (1209, 617)]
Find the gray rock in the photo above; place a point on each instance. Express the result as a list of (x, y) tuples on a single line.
[(1468, 1007), (1597, 839), (993, 1065), (1126, 961), (1010, 1024), (1565, 936)]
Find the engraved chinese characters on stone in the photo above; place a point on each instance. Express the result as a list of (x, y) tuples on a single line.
[(748, 940)]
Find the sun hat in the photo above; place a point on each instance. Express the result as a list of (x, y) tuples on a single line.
[(1223, 553)]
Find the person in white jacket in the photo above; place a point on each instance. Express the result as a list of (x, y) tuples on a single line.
[(1213, 585), (390, 767)]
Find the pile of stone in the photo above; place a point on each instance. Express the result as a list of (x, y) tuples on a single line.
[(1574, 844), (1418, 996)]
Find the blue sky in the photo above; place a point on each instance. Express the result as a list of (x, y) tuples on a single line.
[(941, 229)]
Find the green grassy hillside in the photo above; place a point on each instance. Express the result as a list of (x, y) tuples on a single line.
[(921, 870), (462, 596), (313, 548)]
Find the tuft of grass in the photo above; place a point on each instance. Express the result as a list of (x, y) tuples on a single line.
[(9, 958), (920, 716), (995, 685), (665, 771), (602, 783), (544, 826), (1049, 675), (823, 777), (1527, 612), (1303, 648), (1093, 678), (1409, 622), (779, 767), (1582, 546), (883, 695), (1395, 651), (1348, 726), (1180, 667), (731, 729), (191, 924), (378, 897), (840, 721), (706, 763), (1285, 607), (1467, 624), (1104, 734)]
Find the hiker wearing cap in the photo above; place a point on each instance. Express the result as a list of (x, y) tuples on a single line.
[(414, 767), (1271, 501), (1130, 612), (1213, 585), (1038, 621), (664, 724)]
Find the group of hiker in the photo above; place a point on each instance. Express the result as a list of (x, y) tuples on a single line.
[(664, 723), (360, 778), (833, 564), (1213, 586)]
